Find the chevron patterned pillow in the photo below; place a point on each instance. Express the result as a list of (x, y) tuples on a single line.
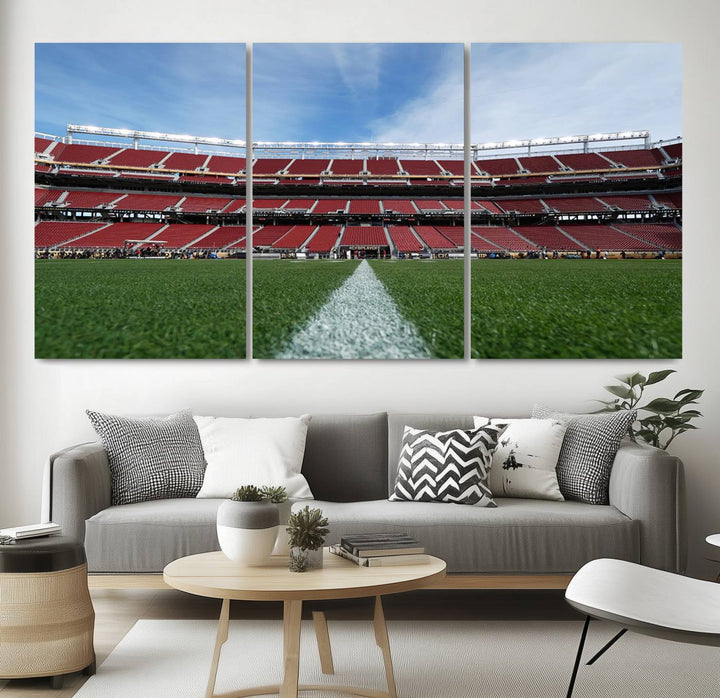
[(446, 466)]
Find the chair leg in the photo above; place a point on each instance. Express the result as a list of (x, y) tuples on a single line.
[(578, 657), (607, 646)]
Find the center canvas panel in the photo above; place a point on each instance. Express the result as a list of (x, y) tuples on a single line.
[(357, 198)]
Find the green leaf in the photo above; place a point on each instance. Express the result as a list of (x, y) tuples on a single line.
[(662, 405), (657, 376), (653, 420), (692, 413), (687, 396), (632, 379), (620, 391)]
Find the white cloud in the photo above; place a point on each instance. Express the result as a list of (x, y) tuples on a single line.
[(436, 115), (535, 90)]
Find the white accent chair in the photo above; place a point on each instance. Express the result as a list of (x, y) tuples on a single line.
[(644, 600)]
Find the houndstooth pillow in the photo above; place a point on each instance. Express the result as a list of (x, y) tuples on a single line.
[(151, 458), (588, 451), (446, 466)]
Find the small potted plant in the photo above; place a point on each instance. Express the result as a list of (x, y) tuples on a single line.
[(247, 526), (306, 529)]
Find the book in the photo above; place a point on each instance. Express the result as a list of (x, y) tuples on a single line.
[(31, 531), (382, 561), (380, 544)]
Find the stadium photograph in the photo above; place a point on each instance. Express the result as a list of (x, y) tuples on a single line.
[(355, 188), (344, 260), (577, 173), (134, 258)]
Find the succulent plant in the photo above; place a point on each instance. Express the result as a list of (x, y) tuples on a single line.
[(277, 495), (248, 493), (307, 528)]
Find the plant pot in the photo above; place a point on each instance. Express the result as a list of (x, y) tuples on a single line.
[(313, 558), (282, 541), (247, 531)]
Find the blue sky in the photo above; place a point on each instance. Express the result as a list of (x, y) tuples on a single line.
[(362, 92), (356, 92), (535, 90), (196, 89)]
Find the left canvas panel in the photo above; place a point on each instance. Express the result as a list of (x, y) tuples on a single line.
[(139, 201)]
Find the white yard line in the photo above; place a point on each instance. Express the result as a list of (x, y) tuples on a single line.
[(359, 321)]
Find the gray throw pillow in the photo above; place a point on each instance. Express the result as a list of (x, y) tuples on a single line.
[(588, 451), (151, 458), (446, 466)]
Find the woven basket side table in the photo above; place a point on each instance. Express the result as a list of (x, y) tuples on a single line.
[(46, 615)]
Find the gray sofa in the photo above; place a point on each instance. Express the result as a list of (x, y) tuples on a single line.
[(350, 463)]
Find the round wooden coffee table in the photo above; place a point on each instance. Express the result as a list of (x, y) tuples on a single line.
[(213, 575)]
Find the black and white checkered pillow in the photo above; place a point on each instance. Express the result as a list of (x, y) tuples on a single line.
[(151, 458), (446, 466), (588, 451)]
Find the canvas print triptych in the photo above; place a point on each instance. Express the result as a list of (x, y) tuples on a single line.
[(348, 208)]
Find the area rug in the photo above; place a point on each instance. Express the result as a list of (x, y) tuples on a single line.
[(437, 659)]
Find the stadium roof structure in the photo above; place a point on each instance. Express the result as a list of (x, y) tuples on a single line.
[(364, 149)]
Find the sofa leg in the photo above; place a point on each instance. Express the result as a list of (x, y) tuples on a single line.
[(578, 657), (56, 682)]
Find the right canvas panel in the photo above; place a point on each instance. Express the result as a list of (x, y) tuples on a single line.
[(576, 200)]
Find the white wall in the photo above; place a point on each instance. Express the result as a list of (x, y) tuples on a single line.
[(43, 402)]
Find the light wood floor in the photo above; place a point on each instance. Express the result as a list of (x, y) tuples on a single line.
[(117, 610)]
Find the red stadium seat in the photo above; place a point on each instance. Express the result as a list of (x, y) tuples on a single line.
[(294, 238), (324, 240), (404, 239)]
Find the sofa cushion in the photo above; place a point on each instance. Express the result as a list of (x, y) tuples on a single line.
[(588, 451), (346, 457), (519, 536), (446, 466), (396, 424), (525, 460), (262, 451), (146, 536), (150, 457)]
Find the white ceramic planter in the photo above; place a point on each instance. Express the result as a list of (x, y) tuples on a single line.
[(282, 541), (247, 531)]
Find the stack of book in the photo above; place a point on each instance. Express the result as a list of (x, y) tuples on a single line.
[(380, 549), (31, 531)]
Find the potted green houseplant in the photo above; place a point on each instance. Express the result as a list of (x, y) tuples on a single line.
[(306, 529), (660, 420), (247, 524)]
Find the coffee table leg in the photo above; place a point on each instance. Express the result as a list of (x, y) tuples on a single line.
[(222, 634), (292, 614), (323, 642), (383, 642)]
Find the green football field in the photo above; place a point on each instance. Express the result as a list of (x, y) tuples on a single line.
[(139, 308), (287, 293), (565, 308), (196, 308)]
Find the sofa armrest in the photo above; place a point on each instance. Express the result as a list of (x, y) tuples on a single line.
[(647, 485), (77, 486)]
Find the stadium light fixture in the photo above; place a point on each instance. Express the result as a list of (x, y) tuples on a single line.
[(153, 135)]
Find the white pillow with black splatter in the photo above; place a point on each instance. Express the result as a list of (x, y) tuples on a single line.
[(525, 460)]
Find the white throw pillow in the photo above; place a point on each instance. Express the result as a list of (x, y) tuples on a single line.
[(525, 460), (253, 452)]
